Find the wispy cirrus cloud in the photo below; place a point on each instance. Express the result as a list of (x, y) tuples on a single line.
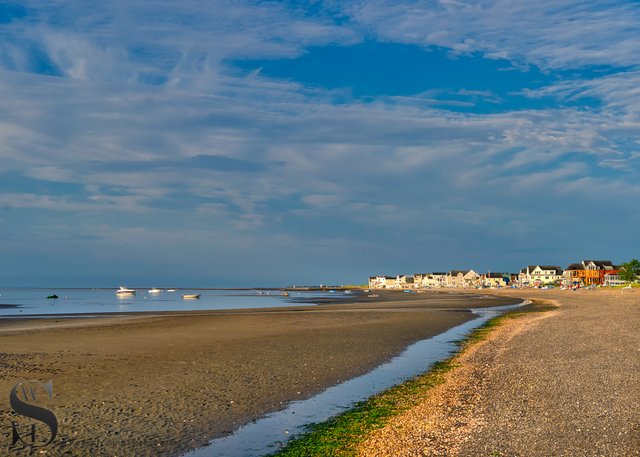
[(550, 34), (179, 44), (618, 92)]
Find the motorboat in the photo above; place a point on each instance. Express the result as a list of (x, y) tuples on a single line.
[(190, 296), (155, 290), (124, 291), (171, 290)]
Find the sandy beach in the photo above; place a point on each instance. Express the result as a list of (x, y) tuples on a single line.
[(166, 383), (564, 382)]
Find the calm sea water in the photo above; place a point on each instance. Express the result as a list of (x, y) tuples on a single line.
[(24, 302)]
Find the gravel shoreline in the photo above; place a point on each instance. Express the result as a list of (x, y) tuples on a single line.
[(564, 382)]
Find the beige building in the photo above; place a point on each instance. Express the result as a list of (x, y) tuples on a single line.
[(462, 278), (430, 280)]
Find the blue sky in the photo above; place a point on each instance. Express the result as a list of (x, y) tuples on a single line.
[(214, 143)]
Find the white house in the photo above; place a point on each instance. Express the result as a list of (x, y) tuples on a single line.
[(613, 279), (390, 282), (381, 282), (536, 275)]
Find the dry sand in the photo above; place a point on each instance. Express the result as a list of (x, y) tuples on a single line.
[(563, 383), (165, 383)]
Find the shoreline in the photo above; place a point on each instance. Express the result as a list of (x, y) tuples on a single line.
[(359, 427), (218, 370), (559, 383)]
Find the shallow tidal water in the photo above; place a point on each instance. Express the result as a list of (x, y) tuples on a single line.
[(25, 302)]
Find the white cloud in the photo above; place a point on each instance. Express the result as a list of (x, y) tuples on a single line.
[(552, 34)]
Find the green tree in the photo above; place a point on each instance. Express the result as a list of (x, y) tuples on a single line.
[(630, 271)]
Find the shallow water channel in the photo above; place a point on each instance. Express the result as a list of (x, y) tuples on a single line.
[(268, 434)]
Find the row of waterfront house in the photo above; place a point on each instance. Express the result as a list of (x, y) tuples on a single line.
[(586, 273)]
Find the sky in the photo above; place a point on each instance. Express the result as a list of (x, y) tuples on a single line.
[(237, 143)]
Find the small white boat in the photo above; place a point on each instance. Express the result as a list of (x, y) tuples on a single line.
[(124, 291), (285, 293), (155, 290), (190, 296), (171, 290)]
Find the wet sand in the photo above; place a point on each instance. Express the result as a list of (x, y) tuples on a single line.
[(165, 383), (564, 382)]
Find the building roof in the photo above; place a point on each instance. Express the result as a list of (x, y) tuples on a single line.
[(554, 268), (599, 263), (494, 275), (575, 266), (550, 267)]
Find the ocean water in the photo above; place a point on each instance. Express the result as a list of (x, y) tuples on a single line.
[(33, 301)]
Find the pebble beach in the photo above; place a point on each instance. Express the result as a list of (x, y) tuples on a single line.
[(564, 382)]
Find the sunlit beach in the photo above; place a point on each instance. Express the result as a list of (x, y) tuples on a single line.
[(357, 228)]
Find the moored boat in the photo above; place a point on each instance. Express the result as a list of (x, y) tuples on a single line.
[(155, 290), (190, 296), (124, 291)]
